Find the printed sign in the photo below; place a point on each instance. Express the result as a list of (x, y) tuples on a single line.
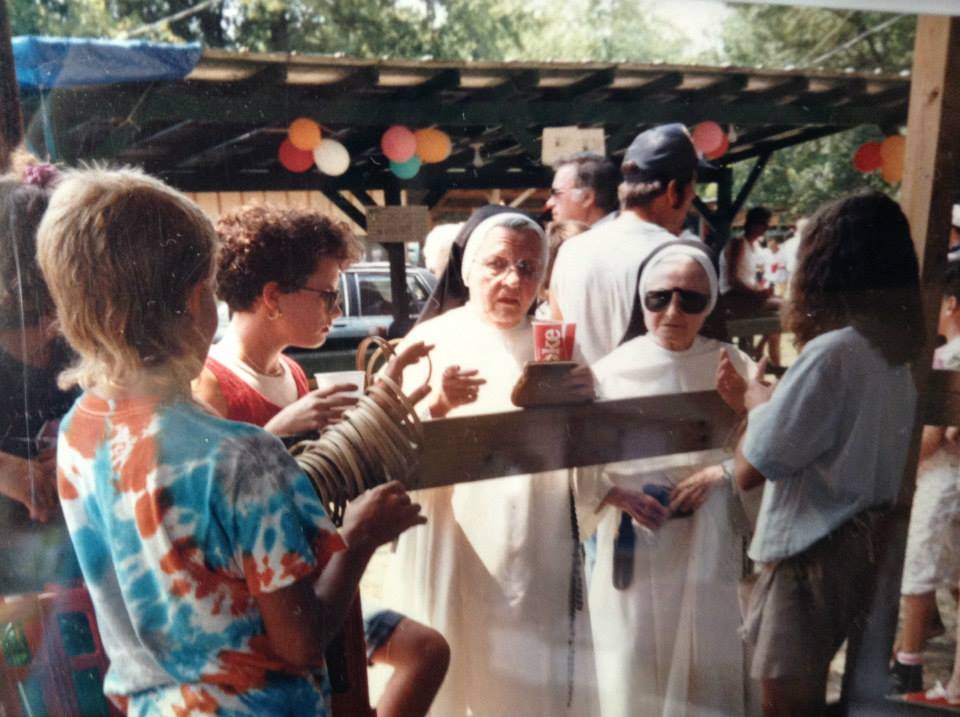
[(562, 142), (397, 224)]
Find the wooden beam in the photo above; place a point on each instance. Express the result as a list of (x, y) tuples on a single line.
[(515, 84), (804, 135), (792, 86), (542, 439), (747, 187), (11, 121), (276, 106), (930, 178), (592, 82), (448, 79), (338, 200), (658, 85)]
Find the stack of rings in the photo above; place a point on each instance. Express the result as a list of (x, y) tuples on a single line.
[(376, 441)]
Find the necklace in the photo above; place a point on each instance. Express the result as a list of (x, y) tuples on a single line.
[(272, 373)]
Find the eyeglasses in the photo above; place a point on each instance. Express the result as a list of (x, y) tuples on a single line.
[(555, 192), (331, 298), (691, 302), (497, 266)]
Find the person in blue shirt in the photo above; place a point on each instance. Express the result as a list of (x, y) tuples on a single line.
[(830, 444)]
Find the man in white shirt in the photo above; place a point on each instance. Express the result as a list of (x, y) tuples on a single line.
[(584, 189), (594, 279)]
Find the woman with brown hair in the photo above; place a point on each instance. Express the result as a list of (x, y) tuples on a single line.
[(829, 443), (279, 272)]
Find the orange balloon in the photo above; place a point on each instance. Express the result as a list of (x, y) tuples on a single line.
[(433, 145), (304, 134), (892, 152)]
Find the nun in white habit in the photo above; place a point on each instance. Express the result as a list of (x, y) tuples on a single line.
[(496, 568), (664, 602)]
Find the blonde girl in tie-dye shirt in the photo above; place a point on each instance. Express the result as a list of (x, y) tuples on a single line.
[(215, 573)]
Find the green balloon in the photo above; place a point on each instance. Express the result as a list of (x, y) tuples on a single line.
[(406, 170)]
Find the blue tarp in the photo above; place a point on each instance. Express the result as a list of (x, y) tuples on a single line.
[(46, 62)]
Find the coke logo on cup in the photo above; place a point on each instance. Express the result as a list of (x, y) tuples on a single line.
[(552, 344), (553, 340)]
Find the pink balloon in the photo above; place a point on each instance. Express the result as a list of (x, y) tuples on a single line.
[(709, 138), (398, 143)]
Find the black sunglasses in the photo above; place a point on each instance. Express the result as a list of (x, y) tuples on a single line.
[(691, 302), (331, 298)]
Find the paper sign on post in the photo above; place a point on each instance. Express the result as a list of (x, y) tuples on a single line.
[(561, 142), (397, 224)]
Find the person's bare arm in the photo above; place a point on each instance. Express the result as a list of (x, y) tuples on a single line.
[(301, 619), (744, 474), (30, 482), (932, 438)]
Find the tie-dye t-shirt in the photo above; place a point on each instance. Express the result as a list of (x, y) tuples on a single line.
[(179, 520)]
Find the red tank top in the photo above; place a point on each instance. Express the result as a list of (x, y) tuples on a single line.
[(247, 404)]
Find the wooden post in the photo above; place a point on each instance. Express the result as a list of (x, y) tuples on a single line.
[(930, 173), (11, 122)]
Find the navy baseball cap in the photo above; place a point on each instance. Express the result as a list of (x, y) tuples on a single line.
[(661, 153)]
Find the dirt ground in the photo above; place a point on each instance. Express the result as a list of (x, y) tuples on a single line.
[(938, 655)]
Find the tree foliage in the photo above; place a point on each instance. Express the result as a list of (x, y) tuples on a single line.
[(799, 179), (796, 179), (778, 36)]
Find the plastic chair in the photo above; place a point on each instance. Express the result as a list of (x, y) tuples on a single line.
[(52, 661)]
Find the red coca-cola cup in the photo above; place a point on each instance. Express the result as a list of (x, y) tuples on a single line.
[(553, 340)]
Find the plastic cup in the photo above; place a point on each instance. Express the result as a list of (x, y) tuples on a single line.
[(553, 340), (332, 378)]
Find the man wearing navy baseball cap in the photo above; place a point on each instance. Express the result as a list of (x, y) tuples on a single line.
[(595, 275)]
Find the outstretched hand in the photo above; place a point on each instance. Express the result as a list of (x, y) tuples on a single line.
[(410, 355), (759, 389), (379, 516), (459, 387), (731, 386), (313, 411), (30, 482)]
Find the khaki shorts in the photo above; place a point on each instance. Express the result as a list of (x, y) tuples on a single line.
[(802, 608)]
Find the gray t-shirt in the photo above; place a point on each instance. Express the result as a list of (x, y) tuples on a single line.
[(832, 442)]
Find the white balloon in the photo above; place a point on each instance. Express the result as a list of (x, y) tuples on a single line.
[(331, 157)]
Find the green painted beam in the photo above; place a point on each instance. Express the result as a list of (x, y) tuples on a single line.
[(594, 81), (273, 106), (516, 83)]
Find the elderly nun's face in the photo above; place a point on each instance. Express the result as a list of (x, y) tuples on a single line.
[(506, 275), (670, 326)]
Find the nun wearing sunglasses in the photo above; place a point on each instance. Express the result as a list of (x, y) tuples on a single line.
[(663, 596)]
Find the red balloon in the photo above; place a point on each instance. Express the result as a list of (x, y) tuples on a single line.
[(398, 143), (710, 139), (868, 158), (293, 159)]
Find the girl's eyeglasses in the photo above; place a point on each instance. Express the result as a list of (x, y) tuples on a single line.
[(691, 302), (331, 298)]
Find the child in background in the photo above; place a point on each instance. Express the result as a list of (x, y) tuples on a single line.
[(932, 559), (216, 576)]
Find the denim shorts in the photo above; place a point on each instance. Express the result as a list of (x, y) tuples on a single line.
[(378, 626)]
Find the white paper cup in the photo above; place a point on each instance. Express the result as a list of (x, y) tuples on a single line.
[(332, 378)]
